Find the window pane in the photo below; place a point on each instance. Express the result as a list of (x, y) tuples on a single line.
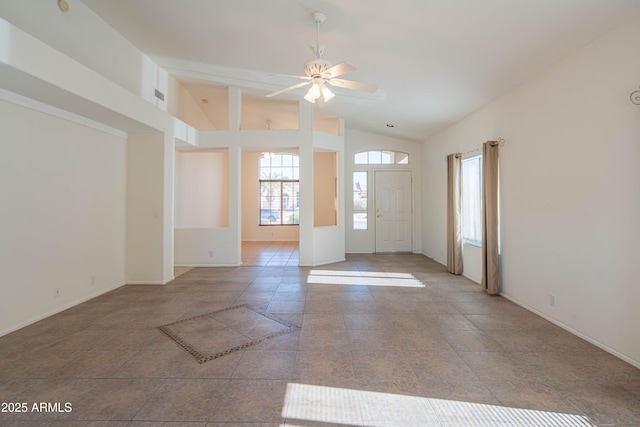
[(290, 203), (387, 157), (402, 158), (361, 158), (270, 203), (472, 199), (375, 157), (276, 161), (287, 166), (360, 201)]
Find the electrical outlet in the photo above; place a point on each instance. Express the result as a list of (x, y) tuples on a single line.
[(92, 280), (56, 292), (210, 254), (552, 300)]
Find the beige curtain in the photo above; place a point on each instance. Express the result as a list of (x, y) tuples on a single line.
[(490, 236), (454, 229)]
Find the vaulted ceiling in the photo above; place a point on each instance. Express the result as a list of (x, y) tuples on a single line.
[(434, 61)]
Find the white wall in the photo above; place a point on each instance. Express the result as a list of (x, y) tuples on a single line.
[(328, 245), (570, 204), (202, 189), (62, 215), (85, 37), (363, 241), (33, 69), (205, 247), (472, 262)]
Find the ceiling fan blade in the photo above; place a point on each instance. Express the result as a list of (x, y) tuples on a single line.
[(291, 76), (350, 84), (338, 70), (287, 89)]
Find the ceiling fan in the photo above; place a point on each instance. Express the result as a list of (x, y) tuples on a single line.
[(321, 74)]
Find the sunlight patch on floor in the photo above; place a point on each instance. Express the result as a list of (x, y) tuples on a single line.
[(362, 274), (332, 277), (312, 403)]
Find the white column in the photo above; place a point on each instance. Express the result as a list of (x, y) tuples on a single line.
[(306, 183), (167, 215), (146, 210), (235, 202), (235, 108)]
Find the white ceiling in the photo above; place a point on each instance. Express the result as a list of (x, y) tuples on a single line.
[(434, 61)]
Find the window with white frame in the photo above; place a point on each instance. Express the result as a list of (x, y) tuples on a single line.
[(279, 189), (360, 221), (472, 200)]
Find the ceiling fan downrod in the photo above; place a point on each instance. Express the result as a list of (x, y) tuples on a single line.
[(319, 18)]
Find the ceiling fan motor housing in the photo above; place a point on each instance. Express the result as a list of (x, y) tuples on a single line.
[(316, 67)]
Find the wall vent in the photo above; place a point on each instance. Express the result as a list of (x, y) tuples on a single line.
[(159, 95)]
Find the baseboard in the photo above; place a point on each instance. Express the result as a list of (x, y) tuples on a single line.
[(567, 328), (372, 253), (473, 279), (271, 240), (323, 263), (435, 259), (145, 282), (60, 309), (151, 282), (208, 265)]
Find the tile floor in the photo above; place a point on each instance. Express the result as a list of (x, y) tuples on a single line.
[(379, 351), (270, 253)]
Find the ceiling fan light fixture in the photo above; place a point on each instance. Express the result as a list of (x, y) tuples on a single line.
[(327, 95), (313, 93)]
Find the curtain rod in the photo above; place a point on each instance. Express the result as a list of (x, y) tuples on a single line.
[(499, 142)]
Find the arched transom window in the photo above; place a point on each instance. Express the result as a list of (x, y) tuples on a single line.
[(381, 157)]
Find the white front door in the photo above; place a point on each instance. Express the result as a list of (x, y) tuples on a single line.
[(393, 203)]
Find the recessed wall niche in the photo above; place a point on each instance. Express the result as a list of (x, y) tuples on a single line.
[(325, 191)]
